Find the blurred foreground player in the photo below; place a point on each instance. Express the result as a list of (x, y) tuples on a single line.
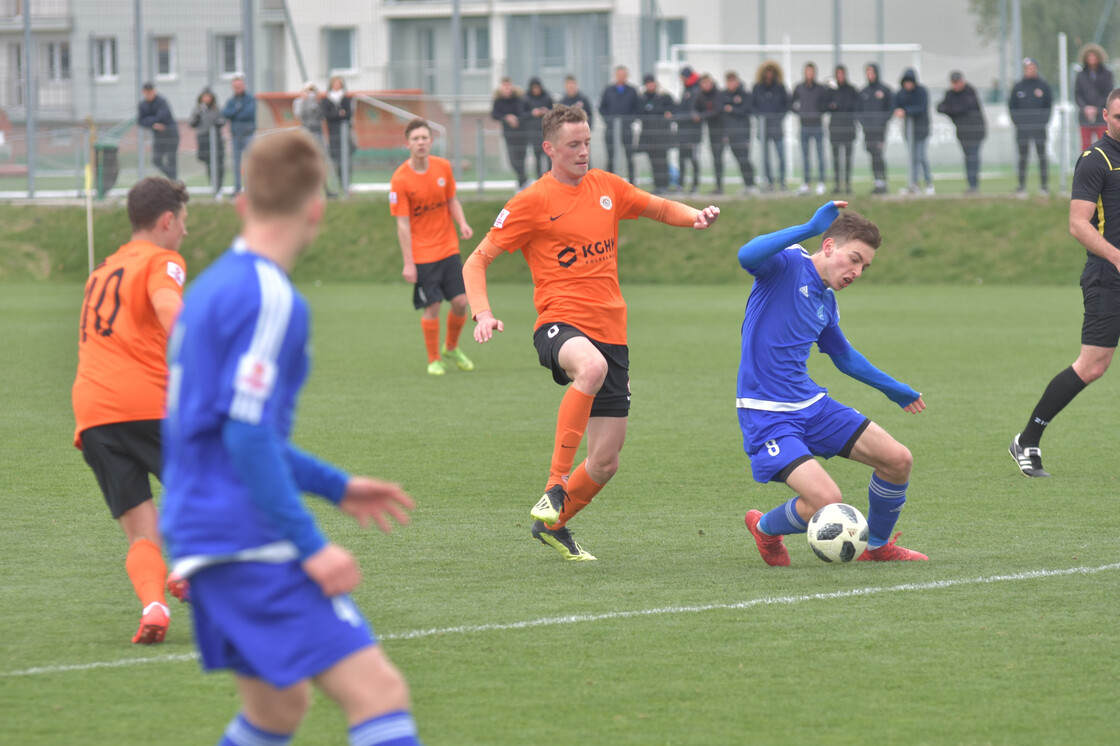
[(566, 227), (786, 417), (269, 593), (131, 301)]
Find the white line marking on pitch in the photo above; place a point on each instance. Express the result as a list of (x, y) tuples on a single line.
[(581, 618)]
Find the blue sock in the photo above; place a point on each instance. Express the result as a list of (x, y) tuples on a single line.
[(240, 732), (783, 520), (391, 729), (884, 501)]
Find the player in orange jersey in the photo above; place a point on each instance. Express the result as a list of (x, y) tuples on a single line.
[(422, 197), (131, 301), (566, 227)]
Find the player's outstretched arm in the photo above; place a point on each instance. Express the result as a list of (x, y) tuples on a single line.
[(367, 498), (679, 214), (853, 363), (753, 253), (474, 278)]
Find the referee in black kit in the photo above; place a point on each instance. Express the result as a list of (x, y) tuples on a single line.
[(1094, 220)]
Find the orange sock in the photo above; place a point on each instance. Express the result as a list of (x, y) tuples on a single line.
[(454, 326), (430, 327), (571, 423), (581, 489), (147, 571)]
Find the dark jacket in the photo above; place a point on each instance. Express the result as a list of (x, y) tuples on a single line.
[(737, 110), (708, 108), (1092, 87), (876, 102), (332, 115), (582, 102), (158, 111), (770, 101), (963, 107), (655, 127), (810, 103), (505, 106), (241, 113), (542, 100), (843, 101), (916, 105), (620, 102), (1030, 106), (688, 124)]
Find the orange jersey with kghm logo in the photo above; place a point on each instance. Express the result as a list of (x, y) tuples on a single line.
[(425, 200), (569, 237), (122, 347)]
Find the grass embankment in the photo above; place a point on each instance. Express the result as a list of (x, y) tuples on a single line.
[(941, 241)]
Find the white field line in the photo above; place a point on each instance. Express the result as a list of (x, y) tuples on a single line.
[(582, 618)]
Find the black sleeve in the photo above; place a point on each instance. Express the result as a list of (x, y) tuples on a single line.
[(1089, 175)]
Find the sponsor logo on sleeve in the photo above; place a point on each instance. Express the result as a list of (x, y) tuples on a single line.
[(441, 181), (255, 376), (175, 272), (392, 198), (501, 219)]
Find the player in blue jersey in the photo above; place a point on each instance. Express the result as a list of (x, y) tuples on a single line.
[(786, 417), (269, 593)]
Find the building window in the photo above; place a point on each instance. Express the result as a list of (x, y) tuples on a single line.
[(229, 54), (670, 31), (105, 59), (339, 43), (163, 49), (58, 60), (476, 47), (554, 46)]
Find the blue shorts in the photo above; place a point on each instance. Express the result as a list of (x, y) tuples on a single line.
[(272, 622), (776, 442)]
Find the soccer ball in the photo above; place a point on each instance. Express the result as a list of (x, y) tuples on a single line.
[(838, 533)]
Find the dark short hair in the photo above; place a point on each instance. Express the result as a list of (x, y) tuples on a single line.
[(1112, 96), (560, 115), (853, 226), (415, 124), (151, 197)]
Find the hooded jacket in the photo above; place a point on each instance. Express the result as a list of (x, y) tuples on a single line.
[(916, 105), (1092, 86), (770, 100), (876, 102), (963, 107)]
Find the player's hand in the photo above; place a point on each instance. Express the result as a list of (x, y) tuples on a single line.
[(465, 232), (367, 498), (334, 570), (485, 326), (706, 217), (409, 273), (915, 406)]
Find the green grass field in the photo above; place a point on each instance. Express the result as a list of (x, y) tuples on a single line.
[(679, 634)]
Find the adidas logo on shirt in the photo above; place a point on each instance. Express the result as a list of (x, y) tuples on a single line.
[(805, 290)]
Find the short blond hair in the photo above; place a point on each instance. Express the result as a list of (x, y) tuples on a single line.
[(283, 171)]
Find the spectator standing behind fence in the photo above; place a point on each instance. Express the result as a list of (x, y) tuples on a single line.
[(736, 104), (911, 107), (337, 109), (876, 102), (241, 113), (573, 96), (508, 109), (620, 105), (1090, 90), (657, 116), (537, 103), (707, 106), (688, 127), (309, 113), (770, 100), (154, 113), (809, 101), (962, 105), (843, 101), (207, 120), (1030, 107)]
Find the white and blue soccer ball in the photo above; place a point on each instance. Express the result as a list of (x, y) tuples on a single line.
[(838, 533)]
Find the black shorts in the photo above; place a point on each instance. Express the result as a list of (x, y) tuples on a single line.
[(122, 455), (436, 281), (1100, 287), (613, 399)]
